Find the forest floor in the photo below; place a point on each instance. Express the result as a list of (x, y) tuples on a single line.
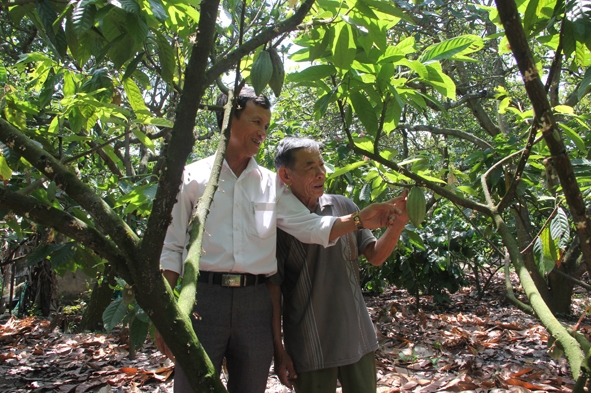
[(469, 346)]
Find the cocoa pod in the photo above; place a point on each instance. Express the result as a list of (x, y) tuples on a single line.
[(416, 206), (261, 71), (278, 76)]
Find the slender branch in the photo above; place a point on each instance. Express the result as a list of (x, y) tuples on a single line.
[(580, 283), (449, 131), (506, 200), (429, 184), (381, 124), (490, 243)]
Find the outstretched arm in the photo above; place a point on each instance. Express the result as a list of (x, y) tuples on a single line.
[(377, 252), (282, 361), (374, 216)]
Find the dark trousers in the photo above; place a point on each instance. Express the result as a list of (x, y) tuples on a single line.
[(234, 323)]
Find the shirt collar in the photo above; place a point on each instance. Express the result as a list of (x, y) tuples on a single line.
[(252, 166), (324, 201)]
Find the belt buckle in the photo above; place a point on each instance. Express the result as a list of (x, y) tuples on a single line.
[(231, 280)]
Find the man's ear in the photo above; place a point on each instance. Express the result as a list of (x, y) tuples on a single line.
[(284, 175)]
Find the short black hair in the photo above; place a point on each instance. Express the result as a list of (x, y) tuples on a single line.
[(246, 94), (285, 155)]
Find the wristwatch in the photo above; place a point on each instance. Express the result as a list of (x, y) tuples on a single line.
[(357, 220)]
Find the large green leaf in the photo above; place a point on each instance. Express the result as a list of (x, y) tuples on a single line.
[(83, 16), (343, 51), (63, 255), (441, 82), (365, 112), (5, 171), (128, 5), (452, 47), (135, 98), (312, 73), (560, 229), (346, 169), (144, 139), (166, 56), (158, 10), (573, 136), (114, 314), (531, 16), (138, 332), (583, 87)]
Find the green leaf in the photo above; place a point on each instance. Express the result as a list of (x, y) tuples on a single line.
[(144, 139), (132, 66), (83, 16), (158, 10), (560, 228), (392, 54), (134, 95), (583, 87), (312, 73), (388, 8), (573, 136), (321, 105), (166, 56), (441, 82), (113, 314), (5, 171), (63, 255), (415, 239), (2, 74), (128, 5), (42, 252), (344, 49), (138, 332), (365, 112), (549, 252), (449, 48), (346, 169), (156, 121), (530, 16)]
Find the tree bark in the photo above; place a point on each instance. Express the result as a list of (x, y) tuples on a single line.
[(100, 298), (544, 120)]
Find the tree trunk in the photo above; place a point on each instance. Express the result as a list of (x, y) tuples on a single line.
[(100, 298)]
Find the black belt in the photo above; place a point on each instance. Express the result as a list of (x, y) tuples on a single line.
[(231, 279)]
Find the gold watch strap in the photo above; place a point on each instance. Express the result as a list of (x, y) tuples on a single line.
[(357, 220)]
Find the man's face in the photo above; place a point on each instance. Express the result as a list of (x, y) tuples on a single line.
[(250, 130), (306, 178)]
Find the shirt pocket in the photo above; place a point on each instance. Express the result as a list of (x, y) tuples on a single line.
[(265, 220)]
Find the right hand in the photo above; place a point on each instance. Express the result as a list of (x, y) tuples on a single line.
[(284, 368), (162, 347)]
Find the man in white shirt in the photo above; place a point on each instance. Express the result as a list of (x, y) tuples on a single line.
[(233, 305)]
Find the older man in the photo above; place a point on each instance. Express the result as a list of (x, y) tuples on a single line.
[(233, 307), (328, 333)]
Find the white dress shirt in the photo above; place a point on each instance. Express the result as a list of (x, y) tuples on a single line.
[(240, 229)]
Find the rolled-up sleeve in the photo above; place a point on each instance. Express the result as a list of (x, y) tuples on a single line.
[(295, 218)]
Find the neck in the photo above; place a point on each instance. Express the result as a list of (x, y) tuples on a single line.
[(236, 164), (312, 204)]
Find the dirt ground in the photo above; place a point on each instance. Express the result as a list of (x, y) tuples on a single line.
[(471, 346)]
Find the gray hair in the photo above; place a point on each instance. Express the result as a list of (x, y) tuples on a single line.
[(285, 155)]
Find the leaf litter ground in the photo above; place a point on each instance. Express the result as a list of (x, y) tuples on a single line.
[(469, 346)]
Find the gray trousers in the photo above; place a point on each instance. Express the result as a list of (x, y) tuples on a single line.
[(234, 323)]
